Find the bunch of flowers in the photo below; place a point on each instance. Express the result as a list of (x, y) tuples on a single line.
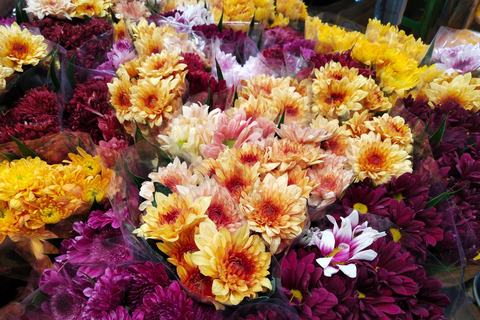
[(68, 9), (36, 195)]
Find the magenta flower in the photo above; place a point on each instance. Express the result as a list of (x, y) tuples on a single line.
[(300, 283), (118, 314), (341, 245), (145, 277), (107, 294), (121, 52), (462, 58), (168, 303)]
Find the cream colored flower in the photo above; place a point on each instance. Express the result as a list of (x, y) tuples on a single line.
[(60, 9)]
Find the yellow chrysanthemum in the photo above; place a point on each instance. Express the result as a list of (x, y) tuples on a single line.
[(19, 47), (459, 90), (338, 98), (119, 30), (257, 107), (238, 10), (427, 75), (393, 128), (152, 104), (91, 8), (297, 176), (262, 85), (89, 165), (163, 65), (280, 21), (275, 209), (170, 5), (9, 220), (375, 100), (264, 10), (296, 106), (171, 216), (120, 96), (129, 70), (149, 42), (142, 28), (331, 39), (249, 154), (292, 9), (5, 72), (95, 190), (288, 154), (23, 181), (334, 71), (367, 52), (378, 160), (238, 264), (356, 125)]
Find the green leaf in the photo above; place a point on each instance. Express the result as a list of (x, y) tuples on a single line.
[(53, 72), (137, 179), (80, 144), (427, 125), (71, 72), (38, 299), (252, 26), (207, 102), (10, 156), (428, 55), (2, 109), (86, 275), (438, 135), (239, 58), (95, 206), (220, 23), (56, 242), (444, 196), (205, 4), (24, 150), (159, 187), (235, 97), (259, 41), (219, 71), (20, 14), (281, 121), (112, 15)]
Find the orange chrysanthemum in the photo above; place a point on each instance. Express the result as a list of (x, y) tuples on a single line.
[(298, 177), (236, 177), (185, 244), (151, 41), (19, 47), (249, 154), (171, 216), (288, 154), (191, 276), (163, 65), (91, 8), (375, 99), (223, 210), (237, 263), (275, 209), (378, 160)]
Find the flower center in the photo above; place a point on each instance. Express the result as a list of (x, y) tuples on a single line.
[(50, 214), (395, 234), (200, 283), (334, 252), (151, 100), (360, 207), (249, 159), (229, 143), (335, 98), (238, 265), (19, 47), (398, 196), (296, 294), (171, 216)]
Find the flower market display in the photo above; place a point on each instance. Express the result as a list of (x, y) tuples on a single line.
[(234, 160)]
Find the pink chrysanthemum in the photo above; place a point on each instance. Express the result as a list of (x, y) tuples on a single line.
[(232, 133)]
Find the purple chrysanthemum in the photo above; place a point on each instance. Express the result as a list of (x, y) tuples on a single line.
[(95, 248), (118, 314), (121, 52), (300, 282), (168, 303), (145, 277), (107, 294)]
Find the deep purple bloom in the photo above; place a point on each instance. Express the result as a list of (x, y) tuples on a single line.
[(300, 282), (107, 294), (168, 303), (145, 277), (118, 314)]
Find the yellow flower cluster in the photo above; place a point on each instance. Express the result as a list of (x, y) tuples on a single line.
[(149, 88), (68, 9), (34, 194)]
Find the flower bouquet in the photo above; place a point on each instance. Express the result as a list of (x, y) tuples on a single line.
[(282, 168)]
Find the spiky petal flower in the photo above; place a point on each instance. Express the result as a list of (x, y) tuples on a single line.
[(19, 48), (379, 160), (461, 58), (275, 209), (238, 264), (340, 245), (171, 216)]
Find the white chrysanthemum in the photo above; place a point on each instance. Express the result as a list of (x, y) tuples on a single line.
[(60, 9), (461, 59)]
